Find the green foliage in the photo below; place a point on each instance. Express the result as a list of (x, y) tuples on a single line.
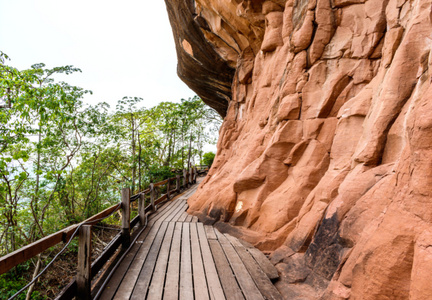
[(208, 158), (157, 173), (62, 161), (11, 282)]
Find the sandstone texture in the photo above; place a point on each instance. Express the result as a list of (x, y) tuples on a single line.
[(325, 153)]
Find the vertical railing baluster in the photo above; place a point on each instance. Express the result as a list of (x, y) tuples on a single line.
[(178, 183), (152, 196), (125, 196), (168, 186), (190, 175), (141, 208), (185, 178), (84, 264)]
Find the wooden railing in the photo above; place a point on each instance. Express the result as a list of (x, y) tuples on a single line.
[(80, 287)]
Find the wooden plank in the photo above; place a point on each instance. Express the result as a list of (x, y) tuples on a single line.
[(183, 216), (173, 273), (144, 241), (161, 182), (262, 260), (114, 282), (214, 285), (199, 278), (194, 219), (244, 279), (161, 199), (186, 285), (179, 209), (229, 284), (179, 213), (158, 280), (266, 287), (188, 218), (211, 235), (134, 255), (108, 251), (143, 281), (131, 267), (84, 264)]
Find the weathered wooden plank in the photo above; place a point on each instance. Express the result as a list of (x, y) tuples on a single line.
[(214, 285), (143, 281), (161, 199), (133, 266), (186, 284), (211, 235), (188, 218), (194, 219), (266, 287), (158, 279), (183, 216), (262, 260), (161, 182), (229, 284), (84, 263), (244, 279), (106, 255), (179, 213), (144, 241), (199, 278), (172, 279)]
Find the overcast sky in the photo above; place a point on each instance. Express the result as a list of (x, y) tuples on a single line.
[(124, 48)]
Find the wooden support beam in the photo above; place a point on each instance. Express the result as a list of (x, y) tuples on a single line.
[(152, 196), (178, 183), (168, 187), (190, 175), (185, 179), (141, 209), (83, 278), (125, 196)]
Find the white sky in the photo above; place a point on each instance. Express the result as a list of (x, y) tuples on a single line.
[(124, 47)]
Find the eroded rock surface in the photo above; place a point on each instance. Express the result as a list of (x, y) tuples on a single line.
[(325, 153)]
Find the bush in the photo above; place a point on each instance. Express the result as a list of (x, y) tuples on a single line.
[(208, 159)]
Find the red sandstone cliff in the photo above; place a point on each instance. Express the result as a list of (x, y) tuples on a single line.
[(325, 153)]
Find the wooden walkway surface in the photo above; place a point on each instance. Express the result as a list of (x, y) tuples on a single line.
[(176, 257)]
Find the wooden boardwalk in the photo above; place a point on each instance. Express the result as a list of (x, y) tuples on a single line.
[(176, 257)]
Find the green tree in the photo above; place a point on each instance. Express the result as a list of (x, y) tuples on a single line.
[(208, 159)]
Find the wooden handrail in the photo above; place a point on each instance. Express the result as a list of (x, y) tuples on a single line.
[(23, 254)]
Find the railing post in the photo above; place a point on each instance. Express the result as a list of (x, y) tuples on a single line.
[(190, 175), (195, 174), (178, 183), (84, 264), (125, 194), (168, 188), (185, 179), (152, 196), (141, 208)]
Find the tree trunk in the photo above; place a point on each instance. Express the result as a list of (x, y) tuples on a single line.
[(133, 153), (35, 273)]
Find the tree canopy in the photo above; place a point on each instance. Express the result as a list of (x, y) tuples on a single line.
[(62, 160)]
